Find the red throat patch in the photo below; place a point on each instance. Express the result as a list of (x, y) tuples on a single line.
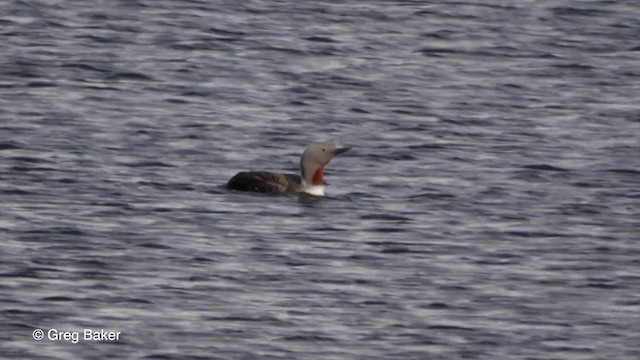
[(317, 177)]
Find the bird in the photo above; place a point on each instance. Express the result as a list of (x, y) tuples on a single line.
[(310, 181)]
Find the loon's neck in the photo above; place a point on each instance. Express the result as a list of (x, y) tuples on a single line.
[(315, 185)]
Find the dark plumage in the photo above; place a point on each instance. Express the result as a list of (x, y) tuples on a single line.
[(264, 181)]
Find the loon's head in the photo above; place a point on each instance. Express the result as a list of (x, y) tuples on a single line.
[(312, 163)]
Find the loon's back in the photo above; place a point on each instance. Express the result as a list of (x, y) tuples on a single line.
[(266, 182)]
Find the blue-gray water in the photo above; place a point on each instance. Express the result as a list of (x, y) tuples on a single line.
[(490, 208)]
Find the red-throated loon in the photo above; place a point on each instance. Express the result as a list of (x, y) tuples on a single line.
[(314, 158)]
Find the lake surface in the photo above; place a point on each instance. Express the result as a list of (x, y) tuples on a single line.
[(489, 209)]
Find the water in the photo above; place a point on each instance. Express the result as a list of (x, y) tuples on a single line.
[(489, 210)]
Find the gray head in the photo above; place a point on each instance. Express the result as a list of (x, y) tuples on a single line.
[(314, 158)]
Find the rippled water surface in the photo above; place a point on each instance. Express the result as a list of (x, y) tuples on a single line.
[(490, 208)]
